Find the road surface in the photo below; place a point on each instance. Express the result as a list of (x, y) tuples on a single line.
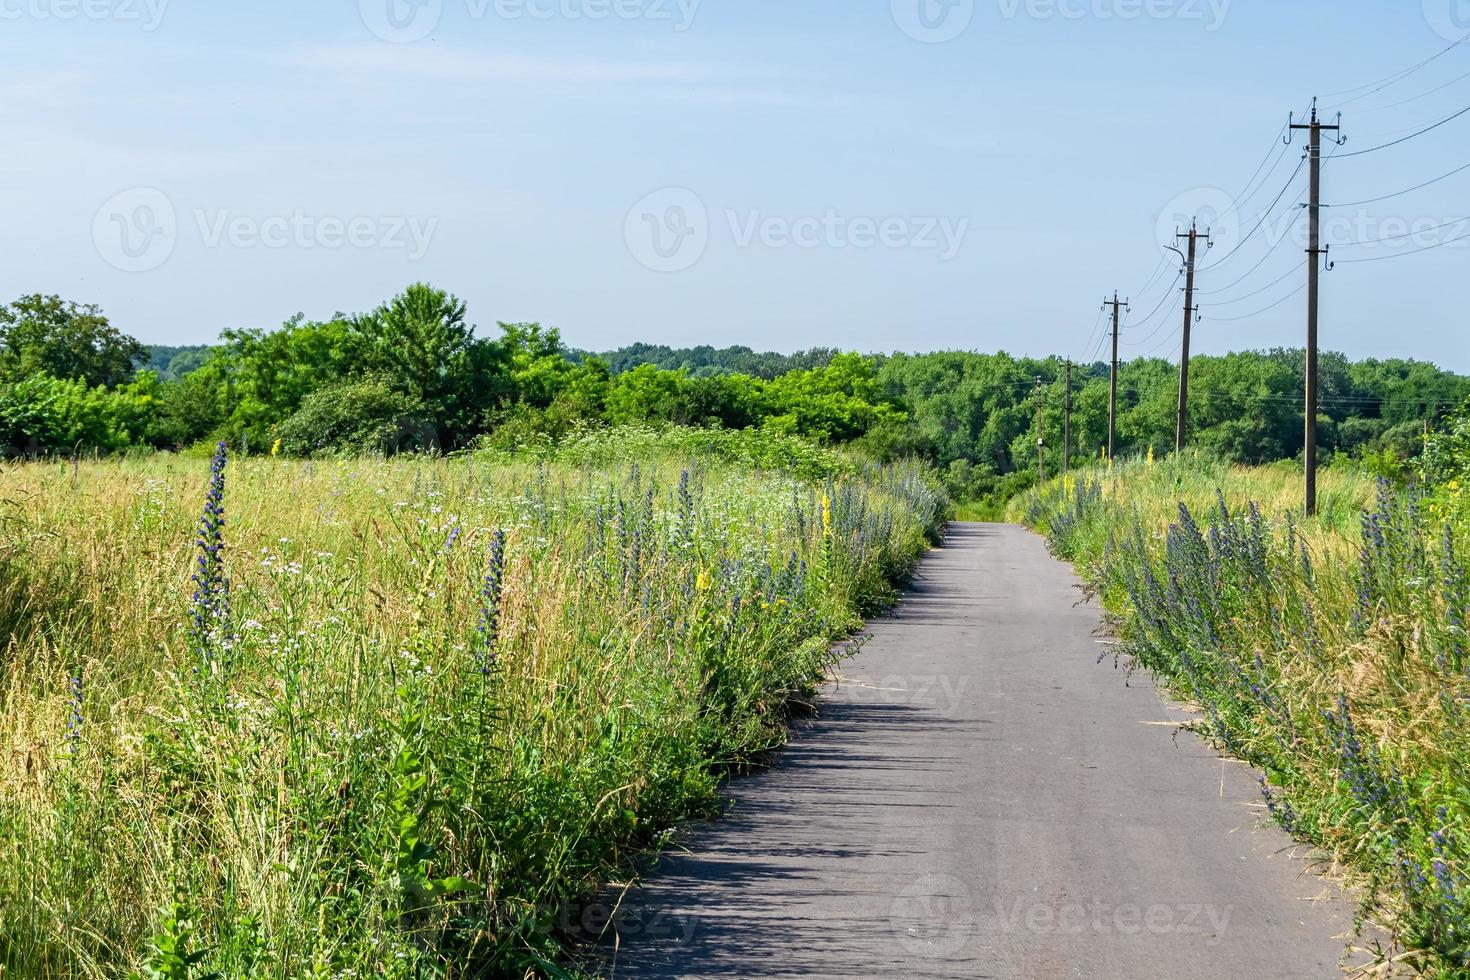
[(979, 797)]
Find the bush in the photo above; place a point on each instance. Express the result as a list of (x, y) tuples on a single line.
[(368, 416), (42, 414)]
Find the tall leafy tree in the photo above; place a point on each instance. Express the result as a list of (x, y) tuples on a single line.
[(49, 335), (420, 340)]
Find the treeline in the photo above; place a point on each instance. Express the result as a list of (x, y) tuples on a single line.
[(414, 374), (705, 361)]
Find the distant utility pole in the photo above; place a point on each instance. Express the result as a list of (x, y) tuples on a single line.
[(1118, 306), (1040, 439), (1067, 423), (1314, 250), (1181, 421)]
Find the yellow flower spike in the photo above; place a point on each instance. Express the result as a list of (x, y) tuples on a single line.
[(826, 516), (702, 580), (276, 447), (1150, 454)]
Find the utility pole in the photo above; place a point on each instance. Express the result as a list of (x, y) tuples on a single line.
[(1067, 423), (1040, 439), (1118, 306), (1181, 421), (1314, 250)]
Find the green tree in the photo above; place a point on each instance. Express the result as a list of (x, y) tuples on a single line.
[(419, 339), (48, 335)]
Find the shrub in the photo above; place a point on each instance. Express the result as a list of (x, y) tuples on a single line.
[(367, 416)]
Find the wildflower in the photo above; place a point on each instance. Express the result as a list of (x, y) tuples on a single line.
[(702, 580), (826, 516), (1150, 454), (276, 447), (490, 603), (211, 603), (74, 718)]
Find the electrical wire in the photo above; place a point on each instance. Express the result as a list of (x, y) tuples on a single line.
[(1393, 79), (1163, 261), (1412, 234), (1232, 319), (1401, 255), (1251, 188), (1264, 215), (1222, 289), (1141, 300), (1228, 302), (1413, 98), (1146, 320), (1092, 334), (1401, 193), (1384, 146), (1165, 342)]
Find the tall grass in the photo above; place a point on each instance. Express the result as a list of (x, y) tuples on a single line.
[(389, 718), (1330, 653)]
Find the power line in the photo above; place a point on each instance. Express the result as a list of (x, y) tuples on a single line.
[(1413, 98), (1410, 190), (1393, 79), (1264, 215), (1401, 255), (1163, 343), (1228, 302), (1163, 261), (1384, 146), (1231, 319), (1144, 322), (1396, 238), (1271, 251), (1091, 345), (1251, 188)]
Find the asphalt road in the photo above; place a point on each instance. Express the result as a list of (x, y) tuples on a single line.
[(979, 797)]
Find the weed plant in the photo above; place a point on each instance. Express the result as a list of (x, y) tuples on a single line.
[(389, 717), (1329, 653)]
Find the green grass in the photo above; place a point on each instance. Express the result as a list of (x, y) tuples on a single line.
[(448, 700), (1330, 653)]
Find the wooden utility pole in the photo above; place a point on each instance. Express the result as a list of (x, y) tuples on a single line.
[(1314, 265), (1181, 421), (1067, 423), (1118, 306), (1040, 439)]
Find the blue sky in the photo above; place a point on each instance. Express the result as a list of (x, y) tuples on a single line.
[(879, 175)]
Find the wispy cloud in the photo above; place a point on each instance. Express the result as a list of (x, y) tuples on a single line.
[(437, 64)]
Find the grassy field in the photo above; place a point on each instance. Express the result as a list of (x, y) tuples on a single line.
[(397, 718), (1329, 653)]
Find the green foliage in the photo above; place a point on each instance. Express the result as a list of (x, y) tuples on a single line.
[(420, 341), (364, 791), (51, 336), (705, 361), (173, 363), (1330, 653), (973, 416), (171, 955), (365, 416), (1445, 467), (42, 414)]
